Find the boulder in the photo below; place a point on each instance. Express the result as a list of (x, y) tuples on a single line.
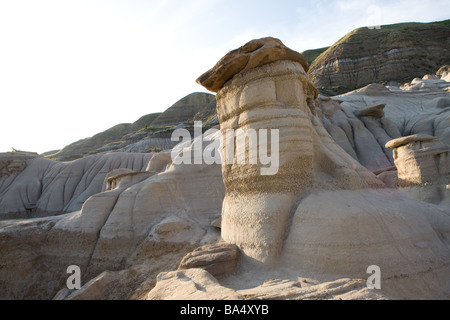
[(219, 259), (372, 111), (395, 143), (190, 284)]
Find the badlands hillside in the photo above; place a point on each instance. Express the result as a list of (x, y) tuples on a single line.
[(150, 132), (362, 183), (392, 53)]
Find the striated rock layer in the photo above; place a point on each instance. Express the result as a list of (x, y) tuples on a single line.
[(364, 120), (242, 104), (397, 52), (423, 164), (141, 224), (322, 213), (257, 206)]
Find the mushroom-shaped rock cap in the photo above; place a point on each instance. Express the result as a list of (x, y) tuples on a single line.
[(251, 55), (373, 111), (395, 143)]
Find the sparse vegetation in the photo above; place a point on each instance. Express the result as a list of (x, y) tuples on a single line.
[(416, 49), (119, 136), (153, 150), (311, 55), (154, 129)]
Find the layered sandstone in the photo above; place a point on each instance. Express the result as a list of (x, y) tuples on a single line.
[(364, 120), (423, 164), (322, 212), (219, 259), (197, 284), (274, 96)]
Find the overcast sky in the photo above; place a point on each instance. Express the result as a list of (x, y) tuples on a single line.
[(72, 68)]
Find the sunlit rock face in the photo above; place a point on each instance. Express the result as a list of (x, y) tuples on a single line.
[(263, 99), (423, 165), (307, 207), (321, 212), (258, 203)]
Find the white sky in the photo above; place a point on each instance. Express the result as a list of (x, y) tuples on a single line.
[(72, 68)]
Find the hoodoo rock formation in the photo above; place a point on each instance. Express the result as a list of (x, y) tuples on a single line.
[(256, 94), (43, 187), (423, 164), (266, 96), (322, 211)]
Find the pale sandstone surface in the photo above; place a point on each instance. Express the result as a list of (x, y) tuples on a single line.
[(14, 162), (257, 208), (396, 52), (423, 110), (343, 232), (128, 230), (307, 232), (336, 220), (219, 259), (198, 284), (364, 120)]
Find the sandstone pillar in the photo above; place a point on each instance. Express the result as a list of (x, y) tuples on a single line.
[(262, 88), (423, 164)]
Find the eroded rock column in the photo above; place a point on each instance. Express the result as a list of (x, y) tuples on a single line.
[(423, 164), (262, 92)]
